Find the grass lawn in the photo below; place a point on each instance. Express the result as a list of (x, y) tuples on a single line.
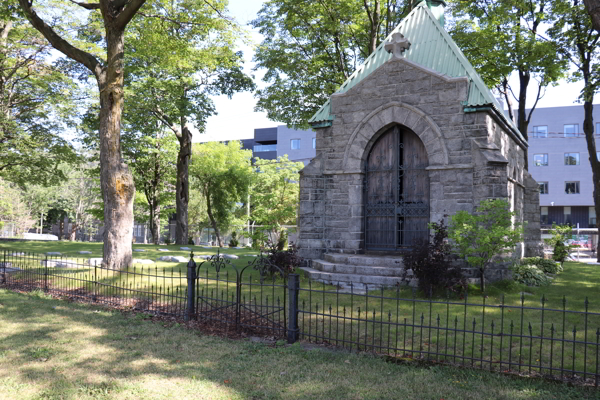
[(325, 312), (54, 349)]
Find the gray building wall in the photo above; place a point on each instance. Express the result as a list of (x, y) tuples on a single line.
[(555, 144), (305, 153)]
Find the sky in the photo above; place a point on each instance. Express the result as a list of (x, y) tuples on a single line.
[(236, 118)]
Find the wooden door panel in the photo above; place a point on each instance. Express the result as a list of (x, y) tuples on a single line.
[(397, 191)]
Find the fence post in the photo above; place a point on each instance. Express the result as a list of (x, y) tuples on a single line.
[(293, 289), (191, 286), (4, 269), (46, 275), (95, 297)]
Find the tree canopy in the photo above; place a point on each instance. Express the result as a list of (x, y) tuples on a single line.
[(222, 174), (36, 105), (311, 47)]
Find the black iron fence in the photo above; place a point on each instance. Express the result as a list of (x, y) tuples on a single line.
[(549, 337)]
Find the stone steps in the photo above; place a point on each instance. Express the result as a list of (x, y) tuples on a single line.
[(359, 272)]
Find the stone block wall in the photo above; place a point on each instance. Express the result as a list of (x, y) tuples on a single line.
[(472, 156)]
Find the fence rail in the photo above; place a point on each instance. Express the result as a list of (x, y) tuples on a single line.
[(553, 340)]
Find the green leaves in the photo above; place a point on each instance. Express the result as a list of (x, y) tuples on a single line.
[(485, 234), (36, 105), (311, 47), (275, 192)]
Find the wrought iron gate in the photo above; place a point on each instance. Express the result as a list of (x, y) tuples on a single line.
[(396, 191)]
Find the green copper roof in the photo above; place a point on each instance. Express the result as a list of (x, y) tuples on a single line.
[(431, 47)]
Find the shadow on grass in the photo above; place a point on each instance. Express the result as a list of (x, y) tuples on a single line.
[(55, 349)]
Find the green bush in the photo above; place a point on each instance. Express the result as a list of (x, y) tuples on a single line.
[(233, 242), (529, 275), (547, 266)]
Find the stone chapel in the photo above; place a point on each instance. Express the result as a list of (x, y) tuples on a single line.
[(412, 135)]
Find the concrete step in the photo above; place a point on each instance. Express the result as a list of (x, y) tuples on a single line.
[(365, 260), (326, 266), (372, 281)]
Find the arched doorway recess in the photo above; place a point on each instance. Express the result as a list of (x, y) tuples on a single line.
[(396, 191)]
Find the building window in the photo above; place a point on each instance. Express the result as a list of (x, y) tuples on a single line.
[(571, 130), (540, 160), (592, 216), (597, 128), (567, 214), (544, 215), (540, 131), (571, 158), (543, 187), (314, 143), (295, 144), (572, 187)]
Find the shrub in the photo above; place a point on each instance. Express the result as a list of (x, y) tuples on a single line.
[(191, 241), (430, 262), (560, 233), (168, 241), (233, 242), (281, 262), (529, 275), (485, 234), (547, 266)]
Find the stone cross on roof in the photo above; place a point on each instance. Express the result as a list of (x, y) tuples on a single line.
[(397, 44)]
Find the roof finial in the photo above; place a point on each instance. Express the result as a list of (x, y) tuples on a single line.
[(397, 44)]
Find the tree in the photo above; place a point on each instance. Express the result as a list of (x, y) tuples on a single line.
[(275, 191), (34, 96), (180, 59), (500, 38), (593, 8), (152, 158), (578, 42), (116, 180), (221, 173), (485, 234), (13, 208), (311, 47)]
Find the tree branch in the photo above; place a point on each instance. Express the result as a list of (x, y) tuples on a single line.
[(87, 6), (59, 43), (127, 14)]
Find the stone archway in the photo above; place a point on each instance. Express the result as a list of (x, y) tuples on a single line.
[(376, 122), (396, 191)]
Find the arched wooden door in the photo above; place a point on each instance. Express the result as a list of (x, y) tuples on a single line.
[(396, 191)]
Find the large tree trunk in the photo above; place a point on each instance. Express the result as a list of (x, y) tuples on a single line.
[(155, 220), (72, 234), (182, 186), (522, 122), (116, 180), (593, 8), (61, 227), (213, 222)]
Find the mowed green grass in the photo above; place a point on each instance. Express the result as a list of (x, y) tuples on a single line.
[(54, 349), (389, 321)]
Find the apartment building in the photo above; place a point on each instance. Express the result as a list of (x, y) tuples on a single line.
[(270, 143), (559, 162)]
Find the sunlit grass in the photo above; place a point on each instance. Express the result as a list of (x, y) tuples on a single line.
[(52, 349)]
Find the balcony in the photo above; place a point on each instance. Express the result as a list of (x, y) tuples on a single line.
[(261, 148)]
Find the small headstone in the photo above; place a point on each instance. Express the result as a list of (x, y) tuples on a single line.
[(250, 255), (53, 253), (95, 261), (204, 244), (230, 256), (142, 261), (203, 257), (165, 258), (17, 254), (179, 259), (163, 249), (206, 247), (185, 248), (139, 250), (237, 247), (85, 252)]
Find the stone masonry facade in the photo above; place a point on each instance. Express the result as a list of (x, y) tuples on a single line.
[(472, 156)]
